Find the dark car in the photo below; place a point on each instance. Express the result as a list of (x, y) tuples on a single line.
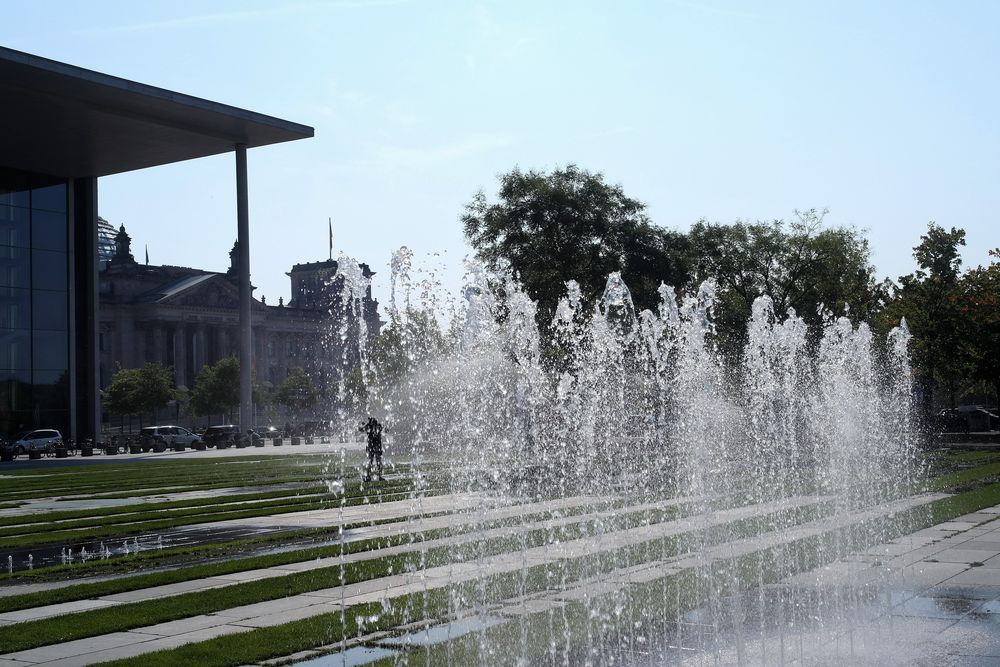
[(225, 434), (951, 421), (168, 434)]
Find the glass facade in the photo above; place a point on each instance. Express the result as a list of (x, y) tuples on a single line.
[(34, 303)]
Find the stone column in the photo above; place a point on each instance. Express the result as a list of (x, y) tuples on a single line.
[(199, 348), (125, 345), (180, 356), (158, 348), (222, 341)]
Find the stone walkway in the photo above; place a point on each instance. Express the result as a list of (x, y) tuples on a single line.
[(276, 612)]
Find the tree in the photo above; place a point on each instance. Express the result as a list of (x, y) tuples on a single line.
[(800, 265), (929, 299), (297, 392), (217, 388), (409, 339), (140, 390), (979, 306), (570, 224)]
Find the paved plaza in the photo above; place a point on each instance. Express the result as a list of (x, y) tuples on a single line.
[(944, 581)]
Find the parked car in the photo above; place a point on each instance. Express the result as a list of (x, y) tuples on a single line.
[(950, 421), (226, 434), (216, 435), (43, 440), (168, 434)]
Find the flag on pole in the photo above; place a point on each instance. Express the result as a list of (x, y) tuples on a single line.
[(330, 223)]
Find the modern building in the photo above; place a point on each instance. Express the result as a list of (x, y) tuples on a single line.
[(63, 128), (186, 317)]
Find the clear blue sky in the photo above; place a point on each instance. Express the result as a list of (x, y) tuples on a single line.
[(885, 112)]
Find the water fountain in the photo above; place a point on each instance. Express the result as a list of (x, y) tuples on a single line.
[(678, 492)]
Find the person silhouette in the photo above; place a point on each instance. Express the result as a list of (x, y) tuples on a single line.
[(373, 429)]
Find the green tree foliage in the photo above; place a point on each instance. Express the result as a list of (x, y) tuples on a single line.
[(216, 389), (140, 390), (801, 265), (297, 392), (408, 340), (931, 301), (570, 224), (979, 306)]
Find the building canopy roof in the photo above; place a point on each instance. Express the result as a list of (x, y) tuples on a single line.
[(68, 121)]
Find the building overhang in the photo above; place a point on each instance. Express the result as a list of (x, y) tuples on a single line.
[(67, 121)]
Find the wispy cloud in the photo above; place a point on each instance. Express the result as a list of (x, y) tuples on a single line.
[(235, 16)]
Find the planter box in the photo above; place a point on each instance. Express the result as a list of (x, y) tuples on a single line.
[(34, 454), (159, 446), (179, 447), (200, 446), (296, 440), (241, 444), (135, 449), (62, 452), (325, 440), (258, 442), (110, 451), (7, 455), (309, 440), (278, 442), (86, 451)]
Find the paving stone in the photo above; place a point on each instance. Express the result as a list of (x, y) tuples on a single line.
[(963, 555), (184, 625), (991, 545), (79, 647), (977, 576), (287, 616), (262, 608), (168, 590), (52, 610), (528, 607), (931, 574)]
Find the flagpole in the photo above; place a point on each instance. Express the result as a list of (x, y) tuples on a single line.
[(330, 223)]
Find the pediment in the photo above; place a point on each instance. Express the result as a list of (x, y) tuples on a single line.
[(208, 291)]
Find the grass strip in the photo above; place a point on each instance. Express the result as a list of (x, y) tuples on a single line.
[(138, 516)]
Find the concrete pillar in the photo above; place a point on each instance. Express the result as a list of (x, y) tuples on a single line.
[(246, 335)]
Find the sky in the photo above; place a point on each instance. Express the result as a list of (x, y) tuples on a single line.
[(884, 113)]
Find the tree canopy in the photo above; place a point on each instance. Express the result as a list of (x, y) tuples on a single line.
[(801, 265), (571, 224), (929, 300), (297, 392), (217, 388), (135, 391)]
